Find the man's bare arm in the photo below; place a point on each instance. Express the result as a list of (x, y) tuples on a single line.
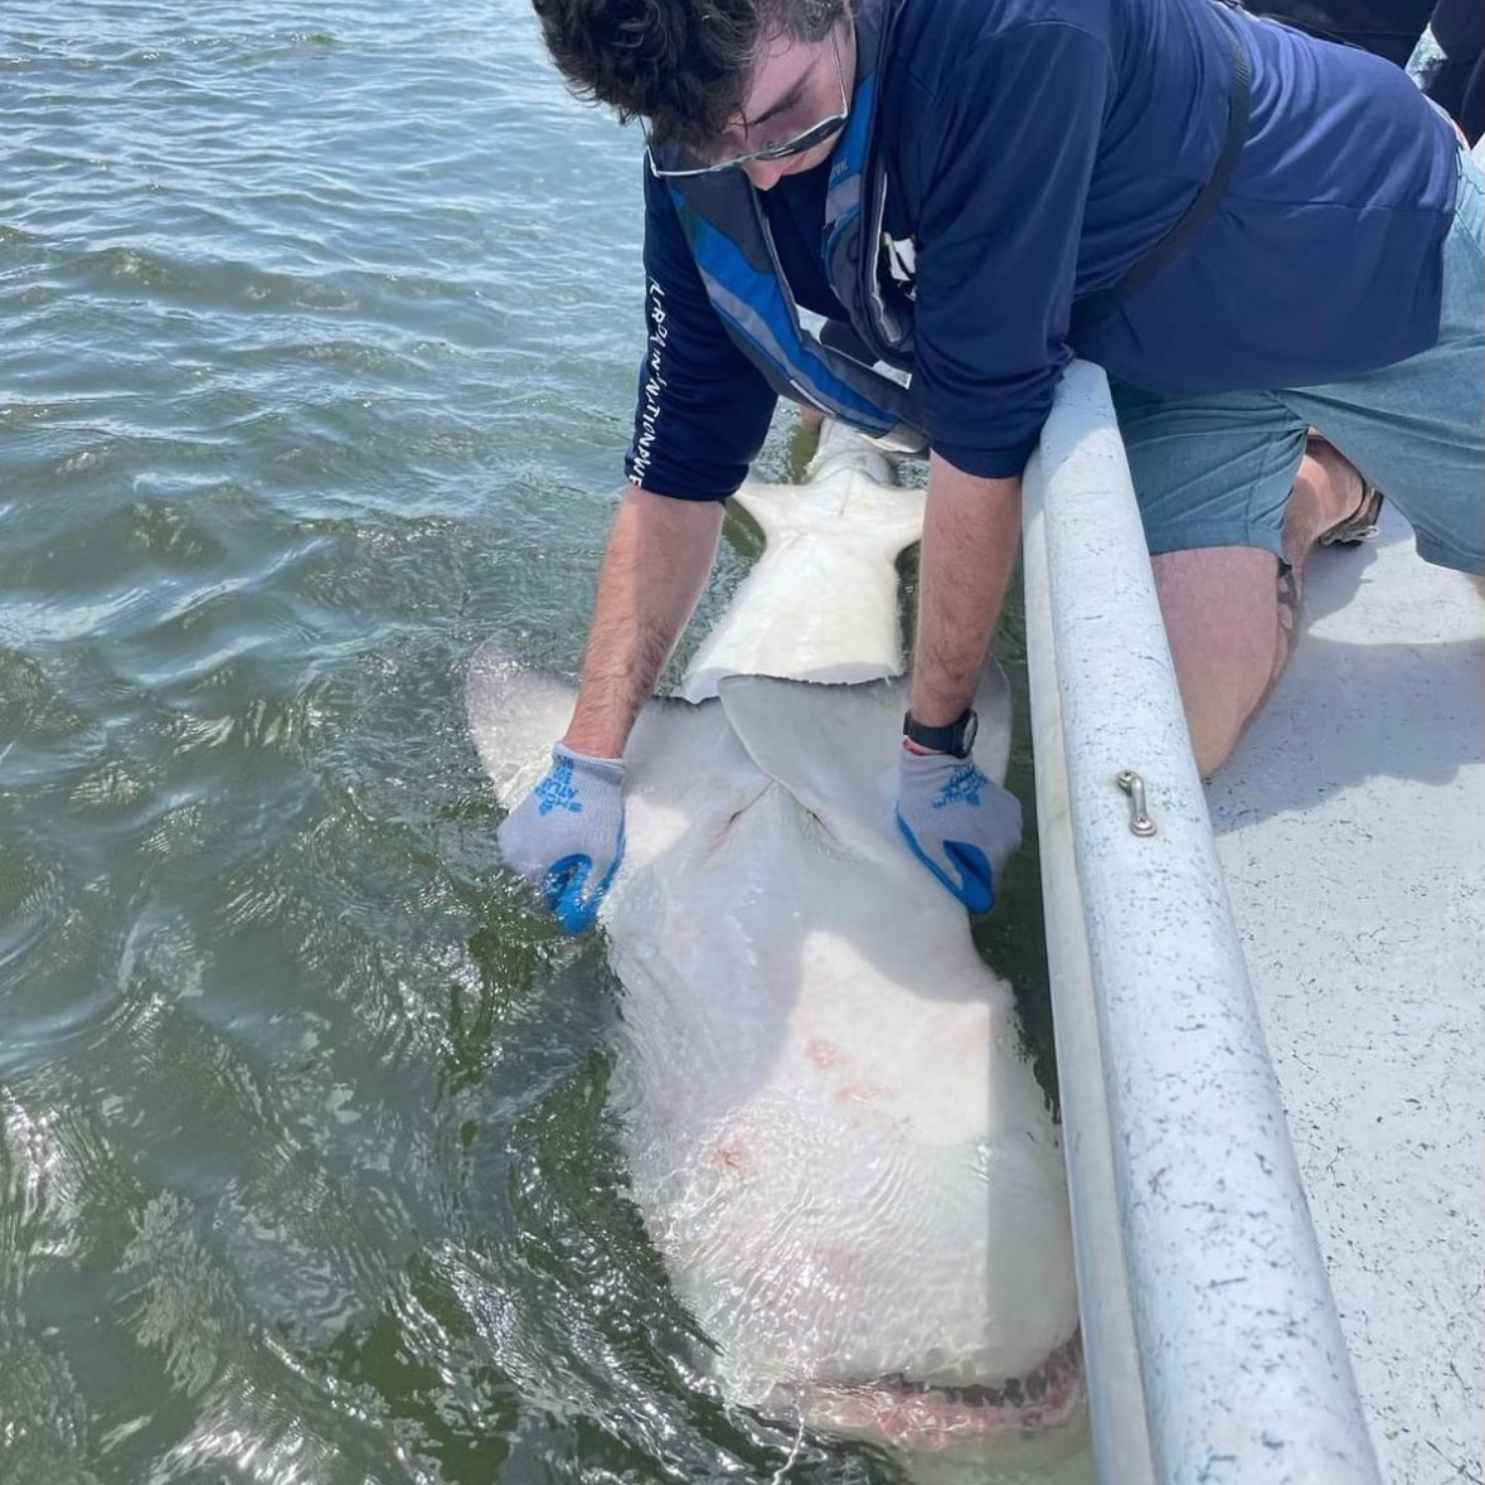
[(659, 554), (970, 533)]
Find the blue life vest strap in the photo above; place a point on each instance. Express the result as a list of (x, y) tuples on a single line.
[(728, 233)]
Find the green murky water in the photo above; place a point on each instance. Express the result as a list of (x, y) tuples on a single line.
[(321, 327)]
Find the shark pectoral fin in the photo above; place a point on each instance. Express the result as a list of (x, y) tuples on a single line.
[(850, 492), (515, 716), (834, 748), (852, 507)]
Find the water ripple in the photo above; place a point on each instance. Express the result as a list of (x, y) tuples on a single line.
[(322, 325)]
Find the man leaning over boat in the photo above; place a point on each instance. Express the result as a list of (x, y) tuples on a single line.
[(1270, 243)]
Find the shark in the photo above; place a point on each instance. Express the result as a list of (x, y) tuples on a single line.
[(831, 1126)]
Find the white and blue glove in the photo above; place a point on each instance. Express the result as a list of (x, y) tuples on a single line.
[(963, 827), (567, 836)]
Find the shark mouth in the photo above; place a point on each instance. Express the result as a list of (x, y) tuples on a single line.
[(915, 1415)]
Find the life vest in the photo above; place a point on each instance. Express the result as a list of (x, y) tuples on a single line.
[(729, 237), (728, 234)]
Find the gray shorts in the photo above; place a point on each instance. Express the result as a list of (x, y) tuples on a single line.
[(1217, 470)]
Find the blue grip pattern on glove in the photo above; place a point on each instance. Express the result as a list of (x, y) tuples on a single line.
[(960, 824), (567, 836)]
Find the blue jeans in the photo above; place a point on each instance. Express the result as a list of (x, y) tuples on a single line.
[(1217, 470)]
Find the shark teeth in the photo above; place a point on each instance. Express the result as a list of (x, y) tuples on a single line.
[(1063, 1366), (921, 1416)]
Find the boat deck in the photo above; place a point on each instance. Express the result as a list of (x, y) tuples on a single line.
[(1351, 828)]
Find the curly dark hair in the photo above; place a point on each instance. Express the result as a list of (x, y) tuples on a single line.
[(682, 65)]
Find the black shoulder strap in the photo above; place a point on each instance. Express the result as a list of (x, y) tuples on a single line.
[(1099, 306)]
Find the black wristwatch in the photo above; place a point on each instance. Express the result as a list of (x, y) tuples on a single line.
[(957, 738)]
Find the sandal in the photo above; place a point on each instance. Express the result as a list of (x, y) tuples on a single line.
[(1361, 524)]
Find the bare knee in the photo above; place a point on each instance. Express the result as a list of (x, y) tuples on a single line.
[(1227, 641)]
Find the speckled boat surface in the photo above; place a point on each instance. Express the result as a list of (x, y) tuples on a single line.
[(1351, 825)]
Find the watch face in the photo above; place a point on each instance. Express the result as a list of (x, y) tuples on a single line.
[(971, 731)]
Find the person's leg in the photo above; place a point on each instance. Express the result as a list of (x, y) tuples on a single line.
[(1417, 429), (1231, 612), (1227, 640), (1214, 477)]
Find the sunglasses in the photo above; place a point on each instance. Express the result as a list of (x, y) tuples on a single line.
[(798, 145)]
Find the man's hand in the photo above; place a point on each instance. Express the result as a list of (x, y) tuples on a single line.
[(963, 827), (567, 836)]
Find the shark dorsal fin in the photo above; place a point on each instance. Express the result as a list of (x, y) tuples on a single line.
[(834, 748)]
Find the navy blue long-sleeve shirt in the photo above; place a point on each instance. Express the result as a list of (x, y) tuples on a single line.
[(1035, 149)]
